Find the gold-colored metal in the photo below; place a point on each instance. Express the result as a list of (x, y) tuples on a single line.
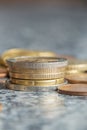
[(37, 82), (71, 72), (37, 76), (23, 52), (18, 87), (77, 65)]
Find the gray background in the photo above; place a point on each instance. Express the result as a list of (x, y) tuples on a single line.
[(63, 30)]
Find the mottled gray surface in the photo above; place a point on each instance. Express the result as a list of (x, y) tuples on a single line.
[(59, 30)]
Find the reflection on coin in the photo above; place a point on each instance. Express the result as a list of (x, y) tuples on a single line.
[(17, 87), (74, 89), (77, 78), (70, 72), (77, 65)]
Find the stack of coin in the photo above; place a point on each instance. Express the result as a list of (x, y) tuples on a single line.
[(76, 67), (36, 71), (18, 52)]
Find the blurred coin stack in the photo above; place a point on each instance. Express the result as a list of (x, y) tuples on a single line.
[(76, 67), (16, 53), (77, 72), (26, 72)]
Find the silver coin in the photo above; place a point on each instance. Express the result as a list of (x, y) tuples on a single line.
[(37, 76), (25, 62)]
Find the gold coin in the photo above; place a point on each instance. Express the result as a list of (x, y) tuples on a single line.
[(37, 76), (18, 87), (77, 65), (73, 89), (23, 52), (45, 83), (77, 78), (71, 72)]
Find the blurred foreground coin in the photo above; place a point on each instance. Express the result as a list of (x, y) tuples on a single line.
[(74, 89), (77, 78)]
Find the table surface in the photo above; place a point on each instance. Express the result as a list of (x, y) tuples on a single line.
[(60, 30)]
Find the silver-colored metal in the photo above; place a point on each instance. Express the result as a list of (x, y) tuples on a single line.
[(36, 62), (37, 76)]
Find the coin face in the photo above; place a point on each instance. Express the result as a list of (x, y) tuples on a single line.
[(77, 78), (73, 89)]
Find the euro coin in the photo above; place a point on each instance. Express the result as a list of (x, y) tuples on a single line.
[(18, 87), (77, 65), (36, 62), (77, 78), (71, 72), (38, 71), (73, 89), (45, 83), (37, 76)]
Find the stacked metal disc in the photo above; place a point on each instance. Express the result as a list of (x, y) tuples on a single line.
[(76, 67), (26, 72)]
